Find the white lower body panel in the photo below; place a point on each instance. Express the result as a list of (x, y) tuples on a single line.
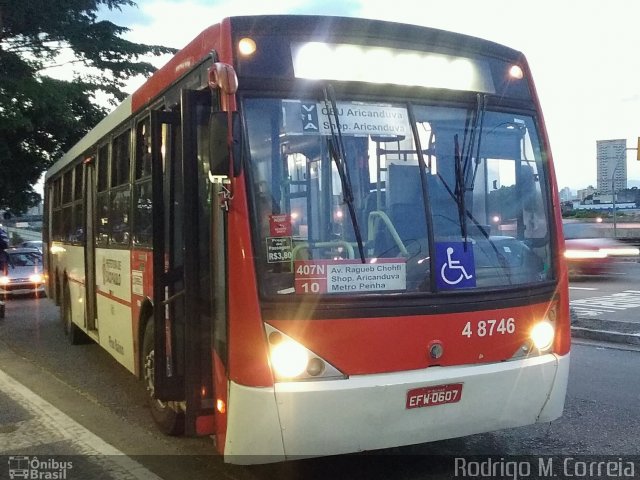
[(368, 412)]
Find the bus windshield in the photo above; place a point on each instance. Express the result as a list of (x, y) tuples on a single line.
[(360, 198)]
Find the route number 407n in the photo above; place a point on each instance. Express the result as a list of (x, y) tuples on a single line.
[(486, 328)]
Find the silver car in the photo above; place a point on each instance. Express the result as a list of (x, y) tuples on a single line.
[(37, 244), (21, 272)]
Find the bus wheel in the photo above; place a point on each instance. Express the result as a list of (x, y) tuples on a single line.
[(56, 289), (74, 335), (167, 415)]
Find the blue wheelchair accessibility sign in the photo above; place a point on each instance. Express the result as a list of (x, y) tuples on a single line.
[(455, 264)]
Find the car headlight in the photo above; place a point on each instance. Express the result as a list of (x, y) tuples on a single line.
[(542, 335), (621, 251), (36, 278), (4, 280), (584, 254)]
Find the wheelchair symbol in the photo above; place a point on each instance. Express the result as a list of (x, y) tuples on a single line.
[(452, 272)]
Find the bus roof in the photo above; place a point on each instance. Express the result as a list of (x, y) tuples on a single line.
[(327, 26), (105, 125), (218, 37)]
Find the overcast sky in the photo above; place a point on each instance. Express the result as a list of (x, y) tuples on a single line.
[(583, 54)]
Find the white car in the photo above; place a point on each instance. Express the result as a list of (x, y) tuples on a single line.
[(21, 272), (37, 244)]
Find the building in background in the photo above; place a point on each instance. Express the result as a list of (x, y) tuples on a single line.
[(586, 192), (566, 194), (612, 165)]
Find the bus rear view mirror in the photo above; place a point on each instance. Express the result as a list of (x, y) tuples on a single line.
[(223, 144), (223, 76)]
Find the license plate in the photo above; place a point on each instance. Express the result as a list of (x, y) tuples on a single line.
[(432, 396)]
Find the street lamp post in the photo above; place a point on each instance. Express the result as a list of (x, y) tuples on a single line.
[(613, 195), (613, 199)]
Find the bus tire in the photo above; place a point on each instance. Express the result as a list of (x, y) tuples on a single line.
[(55, 289), (167, 415), (73, 333)]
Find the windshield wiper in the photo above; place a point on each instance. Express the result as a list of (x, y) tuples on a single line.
[(462, 158), (462, 169), (481, 106), (336, 149), (460, 190)]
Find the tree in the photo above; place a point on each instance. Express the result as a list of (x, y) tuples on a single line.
[(40, 116)]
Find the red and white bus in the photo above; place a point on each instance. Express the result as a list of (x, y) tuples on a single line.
[(318, 235)]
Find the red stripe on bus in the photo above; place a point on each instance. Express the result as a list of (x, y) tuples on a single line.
[(246, 330), (114, 298), (75, 280), (393, 344)]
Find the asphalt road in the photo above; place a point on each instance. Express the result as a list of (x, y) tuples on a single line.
[(612, 297), (102, 397)]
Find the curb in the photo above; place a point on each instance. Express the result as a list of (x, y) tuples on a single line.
[(605, 335), (614, 331)]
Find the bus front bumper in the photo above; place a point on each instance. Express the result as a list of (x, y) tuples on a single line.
[(306, 419)]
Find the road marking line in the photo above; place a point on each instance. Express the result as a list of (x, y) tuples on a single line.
[(607, 304), (583, 288), (85, 441)]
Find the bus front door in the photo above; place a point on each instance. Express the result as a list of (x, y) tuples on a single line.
[(183, 256), (168, 256)]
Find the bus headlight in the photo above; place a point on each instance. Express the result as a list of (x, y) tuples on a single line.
[(542, 335), (292, 361), (288, 358)]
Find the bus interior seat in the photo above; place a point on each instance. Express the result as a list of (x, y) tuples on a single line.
[(405, 204)]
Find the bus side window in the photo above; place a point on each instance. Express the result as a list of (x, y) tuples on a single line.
[(77, 221), (143, 149), (102, 234), (67, 192), (142, 210), (120, 189), (119, 215)]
